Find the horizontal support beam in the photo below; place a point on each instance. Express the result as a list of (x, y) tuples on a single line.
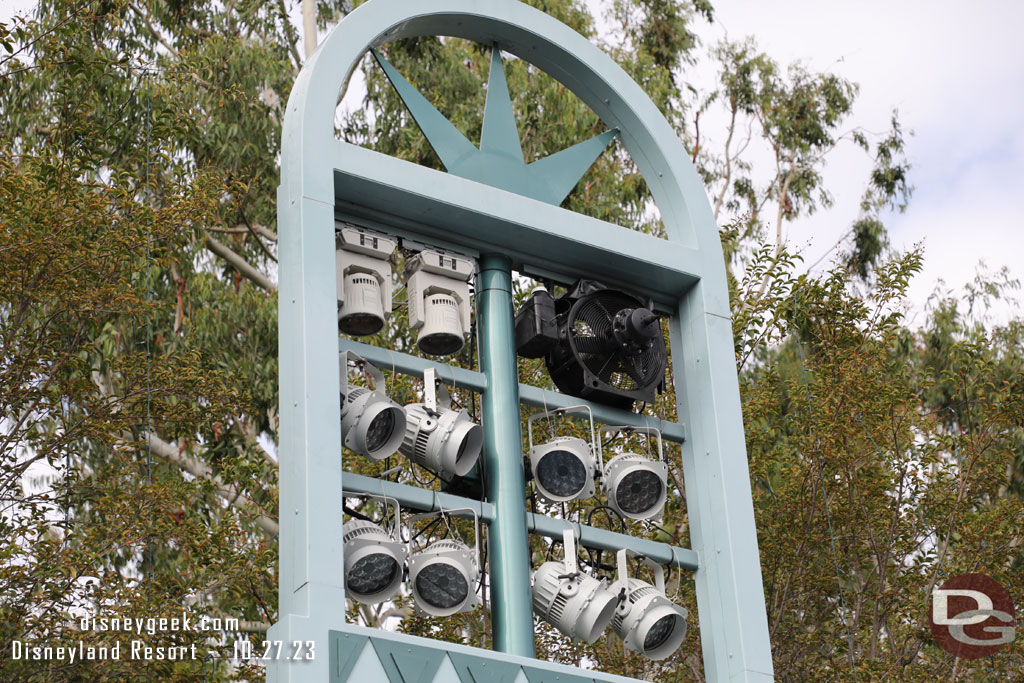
[(386, 359), (602, 539), (424, 500), (603, 415)]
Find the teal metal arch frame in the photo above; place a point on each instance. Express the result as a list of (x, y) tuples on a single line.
[(323, 179)]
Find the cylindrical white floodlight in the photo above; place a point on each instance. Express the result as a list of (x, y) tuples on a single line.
[(438, 286), (363, 260), (636, 486), (646, 620), (363, 313), (443, 440), (371, 423), (441, 334), (563, 468), (374, 562), (443, 578), (577, 604)]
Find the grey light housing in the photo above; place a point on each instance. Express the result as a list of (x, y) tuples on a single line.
[(363, 260), (577, 604), (646, 620), (437, 283), (374, 562), (563, 468), (372, 424), (636, 486)]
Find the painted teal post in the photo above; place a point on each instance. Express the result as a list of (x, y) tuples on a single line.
[(504, 483)]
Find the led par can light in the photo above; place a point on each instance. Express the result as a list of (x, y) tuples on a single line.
[(563, 468), (443, 577), (647, 621), (374, 562), (371, 423), (635, 486), (577, 604), (444, 441), (363, 260)]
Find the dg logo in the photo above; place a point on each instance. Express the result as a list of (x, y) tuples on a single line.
[(972, 616)]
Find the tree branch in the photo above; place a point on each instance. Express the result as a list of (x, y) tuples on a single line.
[(240, 264), (199, 469)]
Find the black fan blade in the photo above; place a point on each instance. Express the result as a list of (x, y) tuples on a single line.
[(592, 345), (634, 370), (610, 365)]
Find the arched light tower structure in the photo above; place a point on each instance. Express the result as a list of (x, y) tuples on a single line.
[(505, 225)]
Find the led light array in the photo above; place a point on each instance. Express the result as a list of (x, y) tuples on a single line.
[(582, 606), (442, 577), (565, 467), (437, 283)]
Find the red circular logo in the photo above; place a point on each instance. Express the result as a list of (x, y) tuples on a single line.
[(972, 616)]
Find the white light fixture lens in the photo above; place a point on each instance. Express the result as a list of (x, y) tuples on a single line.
[(635, 486), (443, 577), (563, 469), (562, 473), (442, 585), (372, 424), (373, 562)]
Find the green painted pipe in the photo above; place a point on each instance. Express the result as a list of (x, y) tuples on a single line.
[(502, 459)]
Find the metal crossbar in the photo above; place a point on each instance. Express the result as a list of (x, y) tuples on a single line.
[(386, 359)]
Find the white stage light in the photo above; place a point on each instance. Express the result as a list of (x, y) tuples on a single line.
[(364, 279), (444, 575), (646, 620), (374, 562), (441, 439), (438, 287), (577, 604), (563, 468), (371, 423), (635, 485)]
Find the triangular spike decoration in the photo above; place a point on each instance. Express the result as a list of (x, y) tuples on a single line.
[(499, 163), (560, 172), (542, 676), (345, 649), (500, 134), (448, 142), (413, 663), (479, 670)]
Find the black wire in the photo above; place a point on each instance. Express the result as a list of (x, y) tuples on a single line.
[(613, 511), (355, 513), (425, 529)]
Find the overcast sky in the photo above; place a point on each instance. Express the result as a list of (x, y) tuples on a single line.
[(955, 72)]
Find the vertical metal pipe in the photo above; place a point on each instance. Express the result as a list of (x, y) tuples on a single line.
[(504, 483)]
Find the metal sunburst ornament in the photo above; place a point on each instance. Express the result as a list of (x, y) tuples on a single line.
[(499, 160)]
